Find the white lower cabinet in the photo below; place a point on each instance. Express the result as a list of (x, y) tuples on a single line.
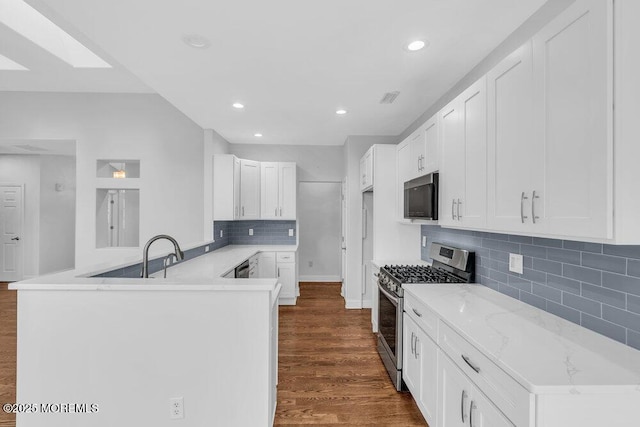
[(420, 369), (286, 273), (267, 265), (463, 404)]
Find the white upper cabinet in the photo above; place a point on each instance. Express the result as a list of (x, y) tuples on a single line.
[(366, 171), (288, 185), (226, 191), (513, 161), (463, 173), (418, 150), (550, 129), (573, 116), (431, 158), (278, 190), (249, 189), (403, 162)]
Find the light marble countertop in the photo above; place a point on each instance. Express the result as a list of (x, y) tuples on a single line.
[(200, 273), (543, 352)]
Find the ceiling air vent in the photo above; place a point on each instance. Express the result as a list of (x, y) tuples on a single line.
[(389, 97)]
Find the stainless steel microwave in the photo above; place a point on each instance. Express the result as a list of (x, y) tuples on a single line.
[(421, 198)]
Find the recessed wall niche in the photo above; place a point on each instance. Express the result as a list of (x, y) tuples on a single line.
[(117, 218), (119, 169)]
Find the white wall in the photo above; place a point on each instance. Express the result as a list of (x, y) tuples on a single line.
[(57, 213), (354, 148), (19, 169), (214, 143), (319, 210), (120, 126), (314, 162)]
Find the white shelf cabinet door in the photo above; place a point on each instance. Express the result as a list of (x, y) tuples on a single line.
[(463, 404), (226, 185), (267, 265), (249, 189), (452, 163), (418, 150), (287, 190), (366, 170), (286, 272), (514, 162), (431, 160), (236, 188), (463, 174), (455, 394), (473, 203), (573, 107), (269, 190), (420, 368), (411, 373)]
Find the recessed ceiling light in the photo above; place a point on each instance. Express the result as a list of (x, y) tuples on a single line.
[(197, 41), (416, 45), (259, 135), (238, 105), (7, 64), (31, 24), (341, 112)]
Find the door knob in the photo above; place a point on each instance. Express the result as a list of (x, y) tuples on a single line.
[(15, 238)]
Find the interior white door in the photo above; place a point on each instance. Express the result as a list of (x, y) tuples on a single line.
[(573, 80), (11, 238)]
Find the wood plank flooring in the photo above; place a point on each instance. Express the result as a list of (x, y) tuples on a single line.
[(8, 301), (329, 370)]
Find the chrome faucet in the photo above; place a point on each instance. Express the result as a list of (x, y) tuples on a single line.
[(145, 254)]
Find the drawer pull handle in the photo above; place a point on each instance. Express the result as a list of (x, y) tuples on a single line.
[(475, 368), (416, 312), (471, 409)]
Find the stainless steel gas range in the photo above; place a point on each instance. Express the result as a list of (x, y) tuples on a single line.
[(450, 265)]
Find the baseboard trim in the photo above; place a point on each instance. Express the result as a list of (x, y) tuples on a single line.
[(319, 279), (353, 304)]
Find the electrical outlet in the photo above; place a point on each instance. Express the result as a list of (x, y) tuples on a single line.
[(291, 232), (206, 248), (251, 232), (424, 241), (221, 233), (176, 408), (515, 263), (310, 263)]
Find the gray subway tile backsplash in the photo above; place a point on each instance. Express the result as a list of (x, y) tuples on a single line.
[(592, 284)]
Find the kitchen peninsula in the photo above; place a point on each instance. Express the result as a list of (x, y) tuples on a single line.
[(133, 347)]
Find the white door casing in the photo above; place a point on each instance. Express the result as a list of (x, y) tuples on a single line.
[(11, 232)]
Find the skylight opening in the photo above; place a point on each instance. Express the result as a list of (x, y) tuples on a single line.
[(31, 24), (7, 64)]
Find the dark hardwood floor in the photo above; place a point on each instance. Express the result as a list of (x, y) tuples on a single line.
[(329, 370), (8, 318)]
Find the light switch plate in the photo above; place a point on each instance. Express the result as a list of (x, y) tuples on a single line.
[(251, 232), (221, 232), (206, 248), (291, 232), (515, 263), (424, 241)]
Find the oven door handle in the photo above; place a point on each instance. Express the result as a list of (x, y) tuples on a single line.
[(388, 295)]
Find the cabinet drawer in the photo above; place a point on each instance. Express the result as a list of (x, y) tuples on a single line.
[(505, 392), (424, 317), (285, 256)]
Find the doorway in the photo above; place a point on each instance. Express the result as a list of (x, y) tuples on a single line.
[(11, 224), (319, 245)]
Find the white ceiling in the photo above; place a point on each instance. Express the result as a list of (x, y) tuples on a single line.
[(293, 62)]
